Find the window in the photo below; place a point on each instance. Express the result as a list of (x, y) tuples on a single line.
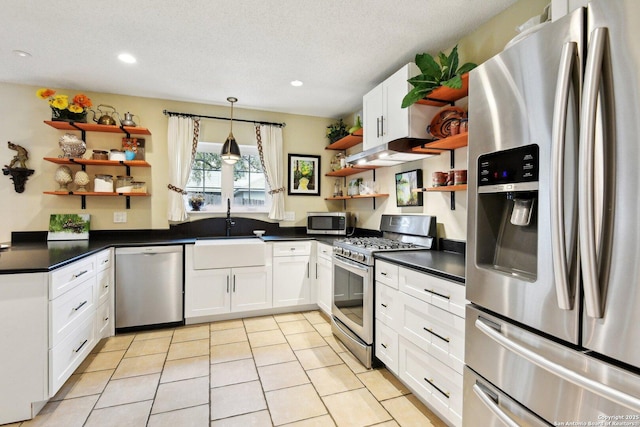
[(243, 182)]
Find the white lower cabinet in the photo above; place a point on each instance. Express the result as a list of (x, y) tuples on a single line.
[(226, 290), (324, 276), (436, 383), (420, 335), (292, 284), (386, 346), (65, 357)]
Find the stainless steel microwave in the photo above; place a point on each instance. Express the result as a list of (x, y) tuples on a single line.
[(327, 223)]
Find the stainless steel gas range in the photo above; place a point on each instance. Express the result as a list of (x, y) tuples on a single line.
[(353, 276)]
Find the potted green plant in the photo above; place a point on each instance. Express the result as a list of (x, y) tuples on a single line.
[(434, 75), (336, 131)]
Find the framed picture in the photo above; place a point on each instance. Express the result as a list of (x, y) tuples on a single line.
[(304, 175), (69, 227), (406, 182)]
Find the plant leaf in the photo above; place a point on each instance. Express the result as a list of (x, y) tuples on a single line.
[(453, 62), (428, 66), (454, 82), (466, 68), (413, 96), (423, 80)]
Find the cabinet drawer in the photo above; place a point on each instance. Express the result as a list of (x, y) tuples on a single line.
[(66, 278), (70, 310), (439, 332), (434, 290), (103, 320), (104, 260), (324, 251), (67, 356), (104, 285), (388, 305), (435, 383), (387, 273), (292, 248), (386, 342)]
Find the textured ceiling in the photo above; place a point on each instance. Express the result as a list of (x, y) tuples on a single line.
[(206, 50)]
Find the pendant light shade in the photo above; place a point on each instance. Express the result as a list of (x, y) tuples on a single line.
[(230, 151)]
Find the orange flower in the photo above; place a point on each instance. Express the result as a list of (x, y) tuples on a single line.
[(45, 93), (82, 100)]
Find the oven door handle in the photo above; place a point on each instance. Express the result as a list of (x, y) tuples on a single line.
[(351, 263)]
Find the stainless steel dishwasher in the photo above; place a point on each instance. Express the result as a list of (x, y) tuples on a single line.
[(149, 286)]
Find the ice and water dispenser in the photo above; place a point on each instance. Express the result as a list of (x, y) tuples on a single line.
[(507, 226)]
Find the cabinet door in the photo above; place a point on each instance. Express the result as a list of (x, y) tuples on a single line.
[(396, 118), (251, 288), (291, 281), (372, 116), (324, 284), (386, 343), (207, 292)]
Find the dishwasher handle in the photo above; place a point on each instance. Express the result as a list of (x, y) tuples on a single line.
[(149, 250)]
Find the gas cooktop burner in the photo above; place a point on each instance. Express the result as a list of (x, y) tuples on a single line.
[(376, 243)]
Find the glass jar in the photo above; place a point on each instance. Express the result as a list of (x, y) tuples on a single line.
[(138, 187), (100, 155), (124, 184), (103, 184)]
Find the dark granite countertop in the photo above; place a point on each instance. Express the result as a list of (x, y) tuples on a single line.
[(449, 265)]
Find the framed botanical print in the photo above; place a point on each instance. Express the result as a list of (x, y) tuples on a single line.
[(304, 175), (406, 183)]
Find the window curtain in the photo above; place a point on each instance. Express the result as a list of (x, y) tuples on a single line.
[(269, 141), (182, 139)]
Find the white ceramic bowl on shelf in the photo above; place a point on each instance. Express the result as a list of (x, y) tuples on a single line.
[(259, 233)]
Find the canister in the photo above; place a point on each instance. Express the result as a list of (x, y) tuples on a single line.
[(117, 155), (138, 187), (124, 184), (103, 183), (100, 155)]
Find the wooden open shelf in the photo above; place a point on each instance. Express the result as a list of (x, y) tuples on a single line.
[(444, 95), (93, 193), (442, 189), (347, 142), (91, 127), (91, 162), (350, 171), (366, 196), (450, 143)]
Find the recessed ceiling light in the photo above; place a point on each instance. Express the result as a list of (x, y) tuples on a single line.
[(296, 83), (21, 53), (127, 58)]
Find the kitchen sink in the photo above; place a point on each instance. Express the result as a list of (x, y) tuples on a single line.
[(228, 252)]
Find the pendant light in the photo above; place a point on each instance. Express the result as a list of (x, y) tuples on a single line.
[(230, 150)]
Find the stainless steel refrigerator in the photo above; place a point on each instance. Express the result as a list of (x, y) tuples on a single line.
[(553, 252)]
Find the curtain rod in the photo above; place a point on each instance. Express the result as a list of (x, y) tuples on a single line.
[(173, 113)]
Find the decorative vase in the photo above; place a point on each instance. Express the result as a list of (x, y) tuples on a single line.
[(65, 115), (63, 177), (72, 146), (196, 203), (81, 180)]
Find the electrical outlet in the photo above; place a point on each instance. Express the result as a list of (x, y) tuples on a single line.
[(119, 217), (289, 216)]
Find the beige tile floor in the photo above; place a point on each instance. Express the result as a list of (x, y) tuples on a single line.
[(266, 371)]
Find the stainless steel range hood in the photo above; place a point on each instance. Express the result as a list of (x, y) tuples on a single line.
[(390, 154)]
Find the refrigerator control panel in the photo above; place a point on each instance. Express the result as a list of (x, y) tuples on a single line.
[(517, 165)]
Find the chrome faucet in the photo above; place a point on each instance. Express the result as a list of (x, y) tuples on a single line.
[(229, 221)]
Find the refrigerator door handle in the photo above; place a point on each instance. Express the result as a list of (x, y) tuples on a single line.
[(586, 169), (493, 407), (566, 77), (558, 370)]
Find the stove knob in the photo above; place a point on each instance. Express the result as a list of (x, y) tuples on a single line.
[(346, 252), (360, 257), (337, 250)]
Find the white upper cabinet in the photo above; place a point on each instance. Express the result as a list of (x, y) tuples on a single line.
[(384, 118)]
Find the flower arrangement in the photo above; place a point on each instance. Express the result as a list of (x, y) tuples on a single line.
[(62, 109), (196, 201)]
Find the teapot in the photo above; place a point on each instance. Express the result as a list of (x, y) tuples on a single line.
[(105, 118), (128, 119)]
